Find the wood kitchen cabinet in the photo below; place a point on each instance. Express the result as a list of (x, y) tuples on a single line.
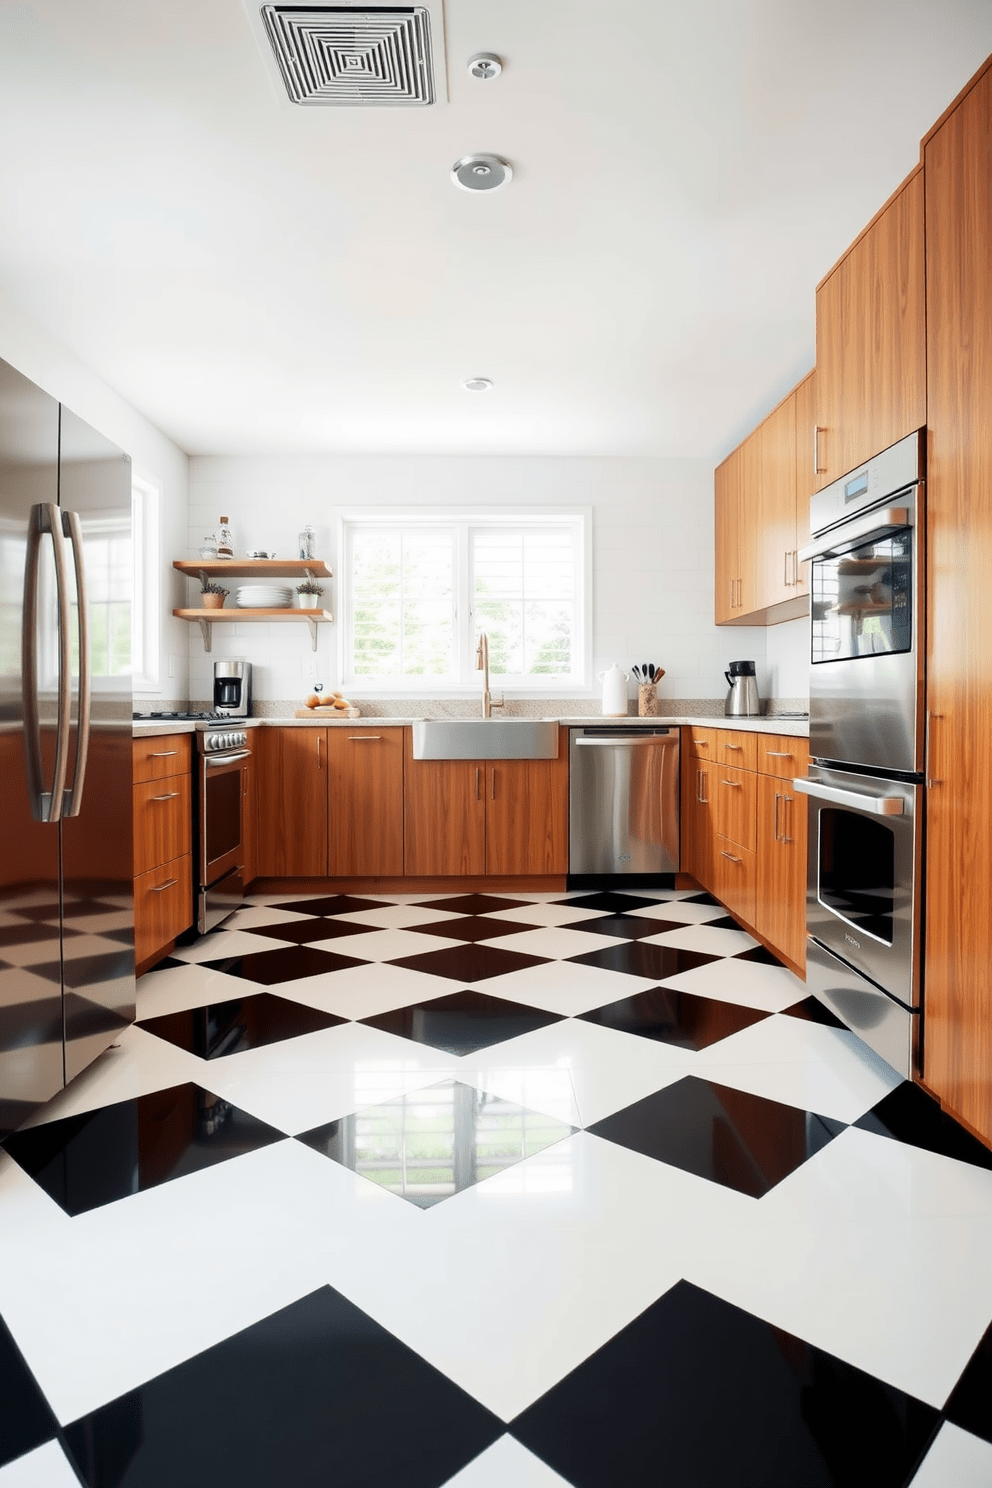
[(444, 815), (734, 555), (871, 328), (776, 504), (527, 815), (292, 802), (163, 844), (698, 826), (957, 1031), (780, 900), (249, 813), (364, 801)]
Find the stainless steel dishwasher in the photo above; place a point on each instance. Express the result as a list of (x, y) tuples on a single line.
[(623, 800)]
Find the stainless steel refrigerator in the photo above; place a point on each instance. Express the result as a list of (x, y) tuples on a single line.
[(66, 876)]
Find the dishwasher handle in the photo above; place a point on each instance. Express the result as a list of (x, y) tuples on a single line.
[(624, 742)]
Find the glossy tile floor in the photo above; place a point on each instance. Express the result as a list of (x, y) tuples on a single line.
[(496, 1192)]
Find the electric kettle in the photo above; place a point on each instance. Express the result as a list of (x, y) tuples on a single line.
[(742, 699)]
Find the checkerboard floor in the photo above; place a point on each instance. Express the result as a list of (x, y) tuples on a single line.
[(491, 1191)]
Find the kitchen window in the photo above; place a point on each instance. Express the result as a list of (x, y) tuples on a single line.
[(416, 591)]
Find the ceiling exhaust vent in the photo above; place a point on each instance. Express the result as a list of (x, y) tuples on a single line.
[(339, 56)]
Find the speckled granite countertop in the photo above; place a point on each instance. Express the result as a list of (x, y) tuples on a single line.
[(793, 727)]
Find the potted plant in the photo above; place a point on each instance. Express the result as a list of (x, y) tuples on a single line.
[(212, 596), (308, 594)]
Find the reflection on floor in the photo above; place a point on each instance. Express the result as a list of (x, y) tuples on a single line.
[(491, 1190)]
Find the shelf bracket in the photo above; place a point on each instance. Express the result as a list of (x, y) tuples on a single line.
[(313, 633), (207, 631)]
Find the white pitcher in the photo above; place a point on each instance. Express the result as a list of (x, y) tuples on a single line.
[(614, 692)]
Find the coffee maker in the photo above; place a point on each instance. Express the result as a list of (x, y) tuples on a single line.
[(232, 688), (742, 699)]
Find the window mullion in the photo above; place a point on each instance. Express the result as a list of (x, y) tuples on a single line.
[(465, 619)]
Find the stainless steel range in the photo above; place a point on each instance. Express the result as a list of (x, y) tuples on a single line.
[(865, 786), (220, 847)]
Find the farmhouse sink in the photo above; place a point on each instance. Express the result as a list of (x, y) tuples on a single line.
[(485, 738)]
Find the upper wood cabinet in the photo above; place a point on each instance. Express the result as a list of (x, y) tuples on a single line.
[(957, 1033), (728, 512), (871, 339), (775, 488), (292, 802), (364, 801)]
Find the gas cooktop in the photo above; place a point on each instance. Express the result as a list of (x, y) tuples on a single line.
[(212, 717)]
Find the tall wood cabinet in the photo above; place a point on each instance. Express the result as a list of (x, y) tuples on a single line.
[(871, 339), (957, 1060)]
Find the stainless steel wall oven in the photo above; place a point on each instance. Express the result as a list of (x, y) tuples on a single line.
[(864, 788)]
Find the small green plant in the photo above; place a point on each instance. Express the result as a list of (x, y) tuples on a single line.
[(207, 586), (310, 586)]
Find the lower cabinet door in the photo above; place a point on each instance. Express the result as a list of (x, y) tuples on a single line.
[(698, 825), (364, 801), (249, 819), (444, 817), (781, 897), (527, 815), (163, 906), (734, 803), (735, 878), (292, 802)]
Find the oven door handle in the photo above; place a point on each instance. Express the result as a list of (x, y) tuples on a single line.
[(890, 519), (217, 761), (857, 800)]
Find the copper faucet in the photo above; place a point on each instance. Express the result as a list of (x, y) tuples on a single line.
[(482, 665)]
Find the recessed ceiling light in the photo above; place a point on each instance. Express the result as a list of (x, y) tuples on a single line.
[(481, 172), (477, 384), (484, 66)]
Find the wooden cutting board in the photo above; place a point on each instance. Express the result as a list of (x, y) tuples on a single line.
[(324, 711)]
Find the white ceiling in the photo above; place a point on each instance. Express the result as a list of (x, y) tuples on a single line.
[(255, 276)]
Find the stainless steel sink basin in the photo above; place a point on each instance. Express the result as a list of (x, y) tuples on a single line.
[(485, 738)]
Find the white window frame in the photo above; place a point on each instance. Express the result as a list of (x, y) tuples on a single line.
[(146, 621), (462, 520)]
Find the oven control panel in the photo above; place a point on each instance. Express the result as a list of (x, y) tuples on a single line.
[(217, 743)]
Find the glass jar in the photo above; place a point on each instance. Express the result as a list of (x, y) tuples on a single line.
[(225, 540), (308, 542)]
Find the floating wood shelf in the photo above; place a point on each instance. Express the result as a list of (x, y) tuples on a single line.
[(254, 568), (207, 619)]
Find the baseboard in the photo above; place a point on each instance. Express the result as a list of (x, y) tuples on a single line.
[(540, 883)]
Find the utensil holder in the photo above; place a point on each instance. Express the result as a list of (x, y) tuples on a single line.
[(648, 702)]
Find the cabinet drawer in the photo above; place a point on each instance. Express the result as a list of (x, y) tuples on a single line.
[(735, 800), (700, 743), (163, 906), (736, 747), (779, 755), (168, 755), (735, 872), (162, 822)]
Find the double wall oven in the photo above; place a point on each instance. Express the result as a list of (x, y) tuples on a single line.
[(865, 785)]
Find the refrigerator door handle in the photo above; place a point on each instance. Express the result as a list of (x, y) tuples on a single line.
[(74, 796), (46, 806)]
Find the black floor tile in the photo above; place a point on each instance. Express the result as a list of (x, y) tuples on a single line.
[(702, 898), (473, 904), (167, 963), (679, 1018), (756, 953), (332, 904), (639, 959), (463, 1022), (29, 932), (908, 1114), (83, 1162), (608, 900), (743, 1141), (316, 1394), (471, 927), (626, 927), (314, 928), (469, 963), (430, 1144), (812, 1010), (725, 922), (970, 1405), (242, 1023), (697, 1393), (26, 1421), (284, 964)]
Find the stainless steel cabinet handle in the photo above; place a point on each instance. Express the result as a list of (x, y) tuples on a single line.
[(789, 801), (46, 806), (699, 788), (778, 753), (161, 888), (932, 780), (731, 605), (364, 738), (816, 451), (72, 530), (170, 797), (889, 519), (319, 743), (738, 747), (478, 774), (785, 580), (492, 786), (857, 800), (734, 784), (163, 754), (729, 855), (701, 743)]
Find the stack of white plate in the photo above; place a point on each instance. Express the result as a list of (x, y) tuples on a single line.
[(264, 597)]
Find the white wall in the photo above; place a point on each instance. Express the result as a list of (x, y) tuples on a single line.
[(36, 353), (787, 659), (652, 552)]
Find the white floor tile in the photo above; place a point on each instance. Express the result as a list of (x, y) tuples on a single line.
[(190, 985), (706, 939), (506, 1464), (138, 1065), (364, 991), (564, 987), (385, 945), (956, 1460), (750, 983), (546, 914), (47, 1467), (679, 909), (262, 914), (397, 916), (551, 941)]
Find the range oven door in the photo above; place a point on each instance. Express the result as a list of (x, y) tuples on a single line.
[(221, 790), (865, 650), (862, 890)]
